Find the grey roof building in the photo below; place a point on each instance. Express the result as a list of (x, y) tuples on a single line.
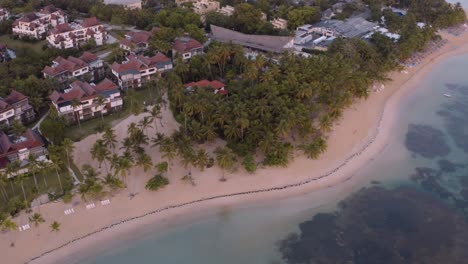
[(354, 27), (266, 43)]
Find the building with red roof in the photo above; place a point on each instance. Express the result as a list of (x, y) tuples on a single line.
[(73, 35), (136, 42), (65, 69), (217, 86), (87, 95), (14, 148), (35, 25), (137, 70), (186, 47), (16, 107)]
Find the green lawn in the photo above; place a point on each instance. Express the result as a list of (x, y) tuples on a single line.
[(95, 125), (16, 44)]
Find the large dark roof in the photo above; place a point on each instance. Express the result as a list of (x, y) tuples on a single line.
[(261, 42)]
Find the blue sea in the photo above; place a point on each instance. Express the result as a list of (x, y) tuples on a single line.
[(426, 159)]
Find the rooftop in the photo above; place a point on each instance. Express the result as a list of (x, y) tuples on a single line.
[(349, 28), (277, 44)]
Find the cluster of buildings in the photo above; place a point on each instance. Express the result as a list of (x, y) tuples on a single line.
[(16, 107), (127, 4), (52, 23)]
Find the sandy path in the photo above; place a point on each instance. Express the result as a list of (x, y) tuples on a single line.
[(353, 134)]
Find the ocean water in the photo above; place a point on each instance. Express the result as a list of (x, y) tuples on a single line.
[(427, 154)]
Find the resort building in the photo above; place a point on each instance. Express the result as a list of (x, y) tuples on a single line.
[(36, 25), (16, 107), (15, 148), (264, 43), (66, 36), (226, 10), (137, 70), (217, 86), (186, 47), (201, 7), (355, 27), (80, 101), (4, 14), (127, 4), (136, 42), (279, 23), (65, 69)]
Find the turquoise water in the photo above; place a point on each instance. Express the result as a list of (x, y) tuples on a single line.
[(251, 234)]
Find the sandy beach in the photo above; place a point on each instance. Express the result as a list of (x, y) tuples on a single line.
[(361, 134)]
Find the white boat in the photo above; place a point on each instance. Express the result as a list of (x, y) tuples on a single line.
[(447, 95)]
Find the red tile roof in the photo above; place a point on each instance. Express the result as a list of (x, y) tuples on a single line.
[(89, 57), (15, 97), (90, 22), (64, 65), (184, 44), (8, 146), (82, 91), (205, 83)]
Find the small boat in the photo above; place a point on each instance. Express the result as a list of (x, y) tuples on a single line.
[(447, 95)]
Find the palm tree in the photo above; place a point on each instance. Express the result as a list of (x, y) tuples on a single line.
[(109, 138), (168, 148), (37, 219), (11, 172), (226, 159), (17, 128), (202, 159), (100, 153), (55, 154), (135, 108), (33, 166), (144, 161), (75, 104), (162, 167), (101, 101), (9, 225), (123, 165), (68, 146), (314, 149), (3, 183), (145, 123), (55, 226), (20, 179), (155, 113)]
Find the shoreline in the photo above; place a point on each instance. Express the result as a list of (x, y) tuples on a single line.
[(361, 152)]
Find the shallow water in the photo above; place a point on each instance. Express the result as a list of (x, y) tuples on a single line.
[(251, 234)]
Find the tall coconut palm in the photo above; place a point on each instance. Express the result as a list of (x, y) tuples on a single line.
[(202, 159), (145, 123), (122, 167), (55, 154), (20, 178), (76, 103), (155, 113), (3, 183), (33, 167), (109, 138), (55, 226), (9, 225), (226, 159), (100, 153), (144, 161), (101, 101), (162, 167), (68, 147), (37, 219)]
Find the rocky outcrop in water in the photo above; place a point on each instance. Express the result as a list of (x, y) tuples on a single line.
[(377, 225), (426, 141)]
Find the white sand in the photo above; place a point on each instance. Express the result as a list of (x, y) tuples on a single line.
[(356, 133)]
